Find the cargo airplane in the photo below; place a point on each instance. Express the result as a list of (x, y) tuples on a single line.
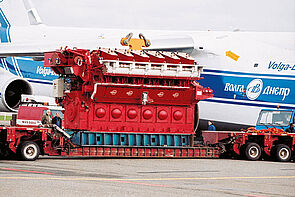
[(247, 70)]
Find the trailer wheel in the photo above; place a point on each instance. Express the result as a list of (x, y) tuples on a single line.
[(252, 151), (29, 151), (282, 153)]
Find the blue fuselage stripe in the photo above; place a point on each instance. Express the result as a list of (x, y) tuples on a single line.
[(41, 82), (242, 73), (248, 104), (5, 27)]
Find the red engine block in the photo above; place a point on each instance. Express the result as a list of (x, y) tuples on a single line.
[(127, 91)]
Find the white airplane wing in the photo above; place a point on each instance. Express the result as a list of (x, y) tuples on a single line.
[(38, 50), (169, 43)]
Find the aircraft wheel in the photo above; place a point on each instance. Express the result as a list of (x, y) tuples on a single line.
[(252, 151), (282, 153), (29, 151)]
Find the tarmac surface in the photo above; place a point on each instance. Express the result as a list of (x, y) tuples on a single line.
[(56, 176)]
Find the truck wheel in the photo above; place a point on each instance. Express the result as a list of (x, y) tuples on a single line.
[(29, 151), (282, 153), (252, 151)]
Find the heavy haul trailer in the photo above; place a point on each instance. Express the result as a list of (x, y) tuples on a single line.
[(267, 139), (28, 143), (254, 146), (120, 103)]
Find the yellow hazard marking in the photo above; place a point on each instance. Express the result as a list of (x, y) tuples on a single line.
[(151, 179), (136, 44), (232, 55)]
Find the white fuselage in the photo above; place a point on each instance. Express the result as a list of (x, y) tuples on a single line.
[(262, 76)]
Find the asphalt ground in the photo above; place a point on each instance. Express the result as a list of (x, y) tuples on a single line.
[(56, 176)]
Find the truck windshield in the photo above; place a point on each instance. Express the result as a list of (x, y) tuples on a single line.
[(276, 118)]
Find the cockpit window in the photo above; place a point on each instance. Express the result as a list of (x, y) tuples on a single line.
[(276, 118)]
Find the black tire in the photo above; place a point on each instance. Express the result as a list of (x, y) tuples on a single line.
[(282, 153), (29, 151), (252, 151), (242, 152)]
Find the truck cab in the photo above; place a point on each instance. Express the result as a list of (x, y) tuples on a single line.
[(29, 116), (278, 118)]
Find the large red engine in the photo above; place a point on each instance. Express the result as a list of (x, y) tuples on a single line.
[(108, 90)]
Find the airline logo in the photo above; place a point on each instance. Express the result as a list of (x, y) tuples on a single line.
[(254, 89), (45, 71), (279, 66)]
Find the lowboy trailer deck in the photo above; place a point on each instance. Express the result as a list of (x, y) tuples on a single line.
[(27, 143)]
